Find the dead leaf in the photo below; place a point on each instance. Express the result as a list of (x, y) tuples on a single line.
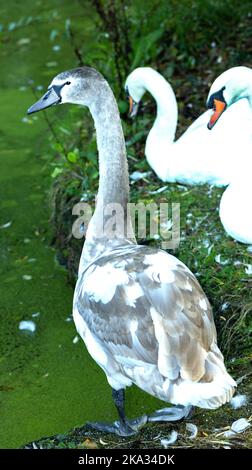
[(90, 444)]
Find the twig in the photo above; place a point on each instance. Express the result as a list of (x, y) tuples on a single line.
[(76, 49), (114, 20), (76, 175)]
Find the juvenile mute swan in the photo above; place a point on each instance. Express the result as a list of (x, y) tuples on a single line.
[(140, 311), (196, 157), (236, 203)]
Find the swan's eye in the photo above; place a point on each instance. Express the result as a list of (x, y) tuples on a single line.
[(68, 83)]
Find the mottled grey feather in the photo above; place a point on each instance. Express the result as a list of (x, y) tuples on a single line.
[(187, 331)]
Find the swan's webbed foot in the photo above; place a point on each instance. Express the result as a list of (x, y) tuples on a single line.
[(124, 428), (174, 413)]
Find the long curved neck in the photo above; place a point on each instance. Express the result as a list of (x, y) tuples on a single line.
[(167, 109), (113, 168), (110, 223)]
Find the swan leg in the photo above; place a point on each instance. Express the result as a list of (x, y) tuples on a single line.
[(123, 427), (174, 413)]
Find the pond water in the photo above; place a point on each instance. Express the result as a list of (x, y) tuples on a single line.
[(48, 382)]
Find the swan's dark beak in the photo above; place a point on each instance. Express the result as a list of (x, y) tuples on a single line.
[(133, 107), (51, 97)]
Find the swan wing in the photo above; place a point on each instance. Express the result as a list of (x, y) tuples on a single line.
[(146, 307)]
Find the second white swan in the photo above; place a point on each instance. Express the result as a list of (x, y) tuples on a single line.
[(199, 156), (230, 89)]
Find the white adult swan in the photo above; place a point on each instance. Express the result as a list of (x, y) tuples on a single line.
[(196, 157), (140, 311), (236, 203)]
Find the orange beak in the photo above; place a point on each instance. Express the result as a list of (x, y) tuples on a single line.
[(131, 103), (133, 107), (219, 108)]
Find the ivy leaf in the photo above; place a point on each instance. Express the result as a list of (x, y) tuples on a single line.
[(72, 157)]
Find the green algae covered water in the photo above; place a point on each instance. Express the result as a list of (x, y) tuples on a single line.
[(48, 382)]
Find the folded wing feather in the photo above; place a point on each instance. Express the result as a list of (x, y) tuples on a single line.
[(151, 318)]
